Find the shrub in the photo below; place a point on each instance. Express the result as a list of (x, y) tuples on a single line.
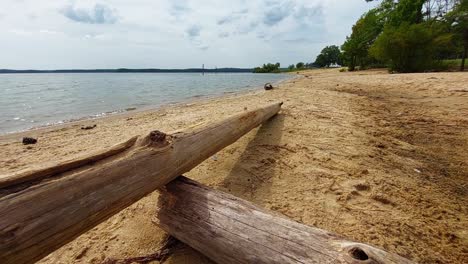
[(411, 47)]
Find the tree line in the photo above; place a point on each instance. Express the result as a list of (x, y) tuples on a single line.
[(405, 36), (276, 67)]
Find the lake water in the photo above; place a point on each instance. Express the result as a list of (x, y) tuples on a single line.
[(32, 100)]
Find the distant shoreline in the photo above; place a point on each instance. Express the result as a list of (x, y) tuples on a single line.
[(125, 70)]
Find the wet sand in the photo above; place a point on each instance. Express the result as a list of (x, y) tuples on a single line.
[(378, 158)]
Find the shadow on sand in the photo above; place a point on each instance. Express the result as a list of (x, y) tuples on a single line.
[(250, 177)]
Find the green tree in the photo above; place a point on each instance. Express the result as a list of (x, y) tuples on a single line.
[(328, 56), (291, 67), (411, 47), (458, 21), (320, 61), (364, 33), (300, 65), (414, 35), (407, 11), (411, 39), (268, 68)]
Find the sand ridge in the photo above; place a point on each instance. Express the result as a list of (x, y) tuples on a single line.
[(375, 157)]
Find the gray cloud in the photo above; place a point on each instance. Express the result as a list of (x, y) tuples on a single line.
[(199, 44), (277, 14), (304, 40), (232, 17), (179, 9), (309, 13), (227, 19), (193, 31), (245, 29), (100, 14), (206, 47), (243, 11), (32, 16), (223, 35)]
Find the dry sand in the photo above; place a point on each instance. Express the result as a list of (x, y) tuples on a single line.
[(378, 158)]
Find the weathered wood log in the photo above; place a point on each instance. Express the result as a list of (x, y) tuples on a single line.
[(228, 229), (45, 208), (59, 167)]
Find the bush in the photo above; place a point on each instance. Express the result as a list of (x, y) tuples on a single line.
[(300, 65), (411, 47)]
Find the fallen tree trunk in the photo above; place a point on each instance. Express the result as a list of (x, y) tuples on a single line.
[(55, 168), (228, 229), (43, 209)]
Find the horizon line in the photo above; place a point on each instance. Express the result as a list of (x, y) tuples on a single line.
[(223, 69)]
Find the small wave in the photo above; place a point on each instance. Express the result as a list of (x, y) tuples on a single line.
[(102, 114), (55, 89)]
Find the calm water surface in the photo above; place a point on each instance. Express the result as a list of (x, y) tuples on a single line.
[(32, 100)]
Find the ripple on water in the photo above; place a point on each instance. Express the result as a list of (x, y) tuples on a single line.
[(49, 99)]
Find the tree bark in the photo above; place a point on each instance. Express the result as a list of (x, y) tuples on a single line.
[(465, 51), (228, 229), (45, 208)]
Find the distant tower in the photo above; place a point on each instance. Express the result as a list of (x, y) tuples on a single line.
[(203, 69)]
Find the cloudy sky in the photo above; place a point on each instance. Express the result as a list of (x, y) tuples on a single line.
[(64, 34)]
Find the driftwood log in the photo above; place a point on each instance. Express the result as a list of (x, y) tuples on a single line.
[(268, 86), (44, 208), (228, 229)]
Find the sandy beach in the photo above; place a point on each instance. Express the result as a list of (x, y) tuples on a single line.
[(375, 157)]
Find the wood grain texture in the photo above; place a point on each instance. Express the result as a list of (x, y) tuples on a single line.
[(40, 214), (228, 229)]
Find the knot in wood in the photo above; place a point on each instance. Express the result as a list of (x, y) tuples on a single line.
[(157, 139), (358, 254), (157, 136)]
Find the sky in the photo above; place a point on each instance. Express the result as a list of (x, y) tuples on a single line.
[(90, 34)]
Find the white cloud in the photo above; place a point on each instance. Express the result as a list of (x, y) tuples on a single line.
[(170, 33)]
